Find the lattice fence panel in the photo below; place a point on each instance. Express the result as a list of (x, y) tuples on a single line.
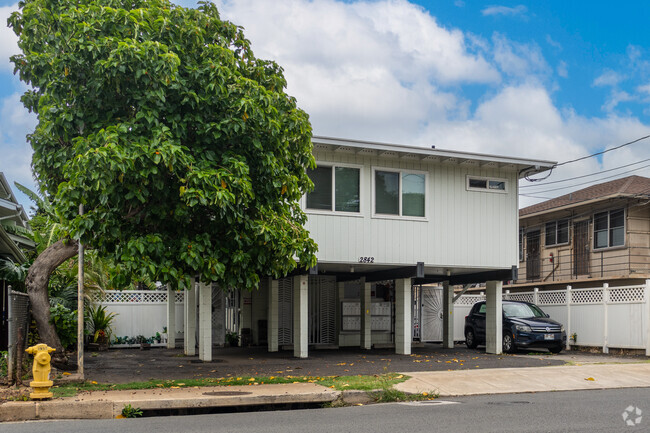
[(627, 294), (132, 296), (469, 299), (285, 311), (552, 298), (587, 296), (525, 297)]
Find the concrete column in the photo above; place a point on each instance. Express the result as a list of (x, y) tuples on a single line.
[(403, 322), (448, 315), (274, 317), (494, 317), (300, 318), (190, 320), (171, 317), (205, 322), (365, 337)]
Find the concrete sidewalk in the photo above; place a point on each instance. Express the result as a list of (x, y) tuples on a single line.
[(536, 379), (109, 404)]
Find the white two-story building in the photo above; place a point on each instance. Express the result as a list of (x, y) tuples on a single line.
[(385, 217)]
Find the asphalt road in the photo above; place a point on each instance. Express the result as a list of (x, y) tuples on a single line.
[(578, 411)]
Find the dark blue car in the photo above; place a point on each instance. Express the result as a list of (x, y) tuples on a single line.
[(524, 325)]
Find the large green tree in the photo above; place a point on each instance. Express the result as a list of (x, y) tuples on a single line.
[(183, 147)]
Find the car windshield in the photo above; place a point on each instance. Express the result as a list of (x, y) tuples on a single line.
[(522, 310)]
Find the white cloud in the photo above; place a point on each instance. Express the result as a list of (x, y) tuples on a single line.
[(519, 60), (608, 78), (505, 10), (615, 98), (8, 39), (553, 43), (562, 69)]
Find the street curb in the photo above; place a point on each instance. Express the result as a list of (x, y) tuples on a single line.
[(70, 408)]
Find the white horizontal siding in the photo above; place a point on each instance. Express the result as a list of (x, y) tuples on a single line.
[(462, 228)]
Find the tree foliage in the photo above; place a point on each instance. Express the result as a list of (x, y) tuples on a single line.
[(183, 147)]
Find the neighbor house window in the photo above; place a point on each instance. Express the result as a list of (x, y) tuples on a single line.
[(487, 184), (399, 193), (557, 232), (335, 188), (609, 229), (521, 245)]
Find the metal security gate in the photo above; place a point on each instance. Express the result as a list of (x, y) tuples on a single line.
[(19, 318), (322, 310), (431, 314), (581, 248), (232, 310), (218, 316), (532, 255), (416, 311), (285, 311)]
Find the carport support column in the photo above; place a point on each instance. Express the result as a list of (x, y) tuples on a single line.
[(448, 315), (171, 317), (494, 317), (190, 320), (205, 322), (403, 323), (274, 321), (300, 318), (365, 337)]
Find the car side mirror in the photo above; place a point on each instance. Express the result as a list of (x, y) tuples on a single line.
[(546, 314)]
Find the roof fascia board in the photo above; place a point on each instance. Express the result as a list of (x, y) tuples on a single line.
[(574, 205), (404, 149), (14, 248)]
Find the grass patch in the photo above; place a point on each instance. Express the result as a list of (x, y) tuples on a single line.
[(390, 395), (364, 383)]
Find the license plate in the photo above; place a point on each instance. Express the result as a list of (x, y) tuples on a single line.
[(549, 337)]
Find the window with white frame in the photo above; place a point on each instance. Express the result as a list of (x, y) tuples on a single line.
[(609, 229), (399, 193), (336, 188), (557, 232), (486, 184)]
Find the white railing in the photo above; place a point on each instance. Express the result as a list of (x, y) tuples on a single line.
[(607, 317)]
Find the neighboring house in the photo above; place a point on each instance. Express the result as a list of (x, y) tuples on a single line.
[(385, 218), (599, 234), (14, 227)]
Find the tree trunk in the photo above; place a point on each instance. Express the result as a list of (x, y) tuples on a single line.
[(37, 281)]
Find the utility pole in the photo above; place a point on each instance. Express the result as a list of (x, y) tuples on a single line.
[(80, 308)]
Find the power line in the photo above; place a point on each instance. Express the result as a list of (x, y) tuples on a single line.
[(604, 151), (586, 175), (589, 182), (528, 178)]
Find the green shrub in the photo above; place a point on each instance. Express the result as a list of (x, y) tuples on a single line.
[(65, 322), (131, 412), (4, 357)]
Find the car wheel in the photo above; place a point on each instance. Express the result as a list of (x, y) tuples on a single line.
[(555, 349), (470, 339), (508, 343)]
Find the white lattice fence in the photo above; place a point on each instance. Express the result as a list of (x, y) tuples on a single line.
[(607, 317), (140, 312)]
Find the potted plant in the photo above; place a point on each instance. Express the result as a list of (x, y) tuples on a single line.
[(99, 325)]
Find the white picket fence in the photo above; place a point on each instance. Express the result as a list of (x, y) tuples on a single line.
[(607, 317), (140, 312)]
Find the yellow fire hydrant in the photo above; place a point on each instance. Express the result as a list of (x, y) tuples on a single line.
[(41, 371)]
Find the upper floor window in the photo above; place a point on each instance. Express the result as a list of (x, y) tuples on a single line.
[(335, 189), (557, 232), (400, 193), (609, 229), (476, 183)]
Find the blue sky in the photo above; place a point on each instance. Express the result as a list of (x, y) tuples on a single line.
[(552, 80)]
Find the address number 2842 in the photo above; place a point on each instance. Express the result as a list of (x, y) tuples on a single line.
[(366, 260)]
